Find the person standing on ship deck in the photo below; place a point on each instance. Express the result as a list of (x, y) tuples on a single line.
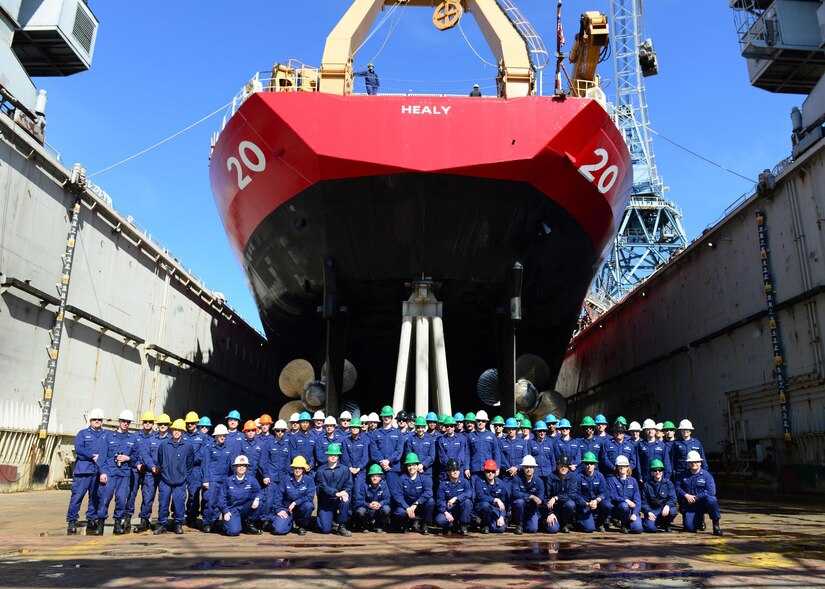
[(475, 92), (370, 78)]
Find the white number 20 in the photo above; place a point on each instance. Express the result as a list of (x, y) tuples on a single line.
[(258, 165), (607, 178)]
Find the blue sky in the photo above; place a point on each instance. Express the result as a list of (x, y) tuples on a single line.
[(161, 66)]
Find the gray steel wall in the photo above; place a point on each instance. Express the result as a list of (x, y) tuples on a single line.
[(171, 344), (694, 341)]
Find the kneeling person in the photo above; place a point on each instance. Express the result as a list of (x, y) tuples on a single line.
[(372, 501), (413, 497), (240, 497), (490, 498), (455, 500), (561, 493), (528, 496), (334, 485), (697, 489), (294, 500), (658, 500)]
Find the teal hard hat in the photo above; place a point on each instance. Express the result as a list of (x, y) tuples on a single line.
[(550, 419), (420, 421), (587, 421), (370, 65), (589, 457), (205, 422), (458, 417), (498, 420), (449, 420), (233, 415), (540, 427), (375, 469), (563, 423), (386, 411), (601, 419), (431, 416), (334, 449), (412, 458), (305, 416), (511, 423)]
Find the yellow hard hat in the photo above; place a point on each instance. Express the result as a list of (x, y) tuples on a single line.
[(179, 424), (163, 418), (299, 462), (148, 416), (192, 417)]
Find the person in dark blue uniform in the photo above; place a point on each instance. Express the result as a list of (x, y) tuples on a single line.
[(370, 78), (681, 448), (543, 449), (697, 490), (649, 450), (86, 474), (567, 446), (117, 455), (513, 450), (302, 443), (331, 434), (146, 433), (387, 448), (491, 496), (528, 495), (450, 446), (372, 502), (294, 500), (333, 483), (589, 442), (194, 486), (233, 434), (150, 477), (626, 498), (357, 445), (593, 503), (561, 497), (423, 446), (216, 461), (659, 506), (176, 459), (275, 468), (455, 500), (482, 445), (413, 498), (617, 446), (239, 500)]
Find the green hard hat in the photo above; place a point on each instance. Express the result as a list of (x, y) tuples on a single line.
[(420, 421), (589, 457), (355, 423), (621, 419), (412, 458), (587, 421), (668, 425), (386, 411), (518, 416), (498, 420), (470, 417), (375, 469), (334, 449), (449, 420), (441, 418), (526, 423), (657, 464)]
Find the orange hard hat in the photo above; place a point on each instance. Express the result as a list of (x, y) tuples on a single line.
[(490, 465), (266, 419), (250, 426)]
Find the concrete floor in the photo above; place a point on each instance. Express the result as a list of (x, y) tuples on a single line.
[(765, 545)]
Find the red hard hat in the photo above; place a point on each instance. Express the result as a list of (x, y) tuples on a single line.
[(265, 418), (490, 465)]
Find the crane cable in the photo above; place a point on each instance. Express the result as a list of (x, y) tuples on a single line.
[(390, 12), (470, 45), (389, 34)]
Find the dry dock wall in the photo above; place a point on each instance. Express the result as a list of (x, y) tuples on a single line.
[(140, 332), (694, 340)]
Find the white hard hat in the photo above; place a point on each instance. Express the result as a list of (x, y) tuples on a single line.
[(685, 424), (374, 417), (693, 456), (475, 85), (241, 460), (126, 415), (220, 430), (294, 418), (622, 461), (258, 423), (345, 415), (281, 424), (318, 415), (482, 416), (96, 413), (330, 421), (528, 460), (634, 427), (659, 426), (649, 424)]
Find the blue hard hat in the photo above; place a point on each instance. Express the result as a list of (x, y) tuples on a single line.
[(458, 417), (511, 423), (431, 416), (205, 422), (601, 419), (540, 427), (563, 423), (551, 418), (304, 416), (233, 415)]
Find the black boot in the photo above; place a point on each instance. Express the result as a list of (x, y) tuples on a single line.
[(178, 528), (464, 531), (206, 528), (343, 531), (717, 529), (91, 527), (160, 529), (519, 530), (118, 527), (425, 530), (71, 529), (143, 526), (250, 529), (101, 526)]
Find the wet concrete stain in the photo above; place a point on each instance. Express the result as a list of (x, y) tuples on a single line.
[(217, 564), (132, 553)]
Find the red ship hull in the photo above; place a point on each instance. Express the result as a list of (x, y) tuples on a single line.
[(393, 188)]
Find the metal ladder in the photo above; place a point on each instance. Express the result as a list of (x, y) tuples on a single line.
[(538, 52)]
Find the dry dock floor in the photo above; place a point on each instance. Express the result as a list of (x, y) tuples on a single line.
[(769, 541)]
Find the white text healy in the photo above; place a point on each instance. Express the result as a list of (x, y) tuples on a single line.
[(425, 110)]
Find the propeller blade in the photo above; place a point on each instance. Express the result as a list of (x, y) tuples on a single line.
[(527, 396), (533, 368), (350, 375), (314, 395), (352, 407), (487, 387), (550, 402), (294, 377), (289, 408)]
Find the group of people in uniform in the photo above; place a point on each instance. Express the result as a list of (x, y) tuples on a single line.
[(391, 471)]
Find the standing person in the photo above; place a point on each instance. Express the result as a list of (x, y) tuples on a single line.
[(119, 452), (513, 450), (275, 468), (528, 495), (331, 435), (659, 506), (567, 446), (589, 442), (194, 485), (358, 449), (498, 426), (370, 79), (85, 479), (423, 446), (176, 459), (216, 462), (592, 496), (387, 448), (551, 421), (601, 428), (476, 91), (294, 500), (145, 475), (401, 424), (151, 481), (526, 430), (372, 502), (450, 446), (373, 424), (333, 483), (459, 423), (239, 500), (635, 431), (626, 498), (204, 425), (650, 450), (682, 448), (490, 497), (469, 424), (432, 423), (543, 449), (561, 497), (146, 433), (344, 421), (482, 446), (303, 442), (318, 419), (294, 424), (617, 446), (413, 498), (233, 435), (455, 500), (669, 436), (697, 490)]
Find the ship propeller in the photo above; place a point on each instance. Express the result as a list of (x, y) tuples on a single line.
[(294, 377), (531, 372), (350, 376), (550, 401), (289, 408)]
